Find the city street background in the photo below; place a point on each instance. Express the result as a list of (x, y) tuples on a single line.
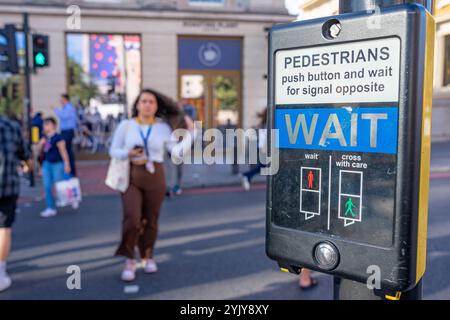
[(211, 244), (211, 56)]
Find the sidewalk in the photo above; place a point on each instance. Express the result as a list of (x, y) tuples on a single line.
[(92, 175)]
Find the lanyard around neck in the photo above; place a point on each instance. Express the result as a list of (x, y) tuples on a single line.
[(145, 139)]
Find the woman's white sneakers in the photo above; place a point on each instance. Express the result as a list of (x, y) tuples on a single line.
[(48, 213), (245, 183), (150, 266), (129, 272), (5, 281)]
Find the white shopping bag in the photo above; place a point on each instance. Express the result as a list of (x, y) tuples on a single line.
[(68, 192), (118, 176)]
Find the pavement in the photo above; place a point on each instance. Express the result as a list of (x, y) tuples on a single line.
[(92, 178)]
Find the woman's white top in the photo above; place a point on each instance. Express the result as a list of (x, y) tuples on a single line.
[(161, 140)]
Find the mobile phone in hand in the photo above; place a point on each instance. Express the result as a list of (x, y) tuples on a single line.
[(138, 148)]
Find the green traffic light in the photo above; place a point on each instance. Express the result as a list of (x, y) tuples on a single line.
[(39, 59)]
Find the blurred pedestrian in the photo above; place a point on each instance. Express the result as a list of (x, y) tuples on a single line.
[(68, 117), (13, 150), (81, 113), (89, 140), (175, 174), (262, 141), (55, 164), (190, 110), (179, 176), (143, 140), (37, 121), (96, 120), (305, 280)]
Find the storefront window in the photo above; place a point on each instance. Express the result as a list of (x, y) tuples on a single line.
[(104, 71), (104, 79), (193, 93), (225, 101)]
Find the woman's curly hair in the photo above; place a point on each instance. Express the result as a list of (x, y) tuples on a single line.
[(168, 109)]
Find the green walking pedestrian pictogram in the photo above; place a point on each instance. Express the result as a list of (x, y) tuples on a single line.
[(349, 208)]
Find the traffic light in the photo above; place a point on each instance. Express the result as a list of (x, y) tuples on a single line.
[(41, 54), (8, 51)]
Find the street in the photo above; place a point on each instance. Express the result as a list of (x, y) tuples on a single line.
[(211, 246)]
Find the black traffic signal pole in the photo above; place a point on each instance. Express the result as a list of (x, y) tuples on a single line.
[(27, 93), (344, 289), (10, 50)]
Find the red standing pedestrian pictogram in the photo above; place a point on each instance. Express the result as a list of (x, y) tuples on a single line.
[(310, 180), (310, 191)]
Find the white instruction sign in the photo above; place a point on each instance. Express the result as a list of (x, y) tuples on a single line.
[(357, 72)]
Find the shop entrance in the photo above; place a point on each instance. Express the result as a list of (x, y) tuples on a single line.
[(214, 95), (210, 80)]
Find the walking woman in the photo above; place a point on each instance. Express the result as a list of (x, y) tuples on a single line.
[(144, 140)]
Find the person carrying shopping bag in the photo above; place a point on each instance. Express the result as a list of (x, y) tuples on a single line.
[(55, 165), (136, 170)]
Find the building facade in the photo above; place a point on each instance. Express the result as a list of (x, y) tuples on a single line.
[(211, 54), (441, 104)]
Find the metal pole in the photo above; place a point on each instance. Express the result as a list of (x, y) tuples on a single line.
[(27, 93), (415, 293), (344, 289)]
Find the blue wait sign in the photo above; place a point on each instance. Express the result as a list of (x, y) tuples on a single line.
[(338, 129)]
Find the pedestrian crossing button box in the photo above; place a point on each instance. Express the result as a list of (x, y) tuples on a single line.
[(352, 112)]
